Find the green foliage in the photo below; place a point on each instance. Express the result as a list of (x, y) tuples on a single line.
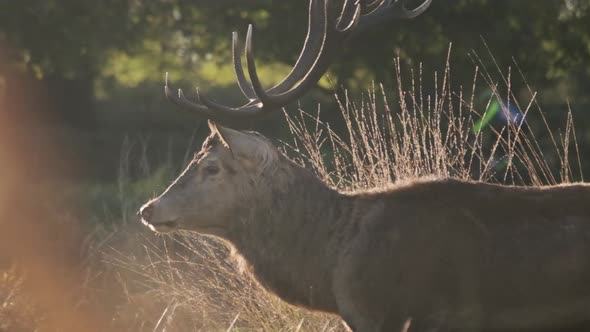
[(67, 36), (117, 202), (127, 45), (75, 37)]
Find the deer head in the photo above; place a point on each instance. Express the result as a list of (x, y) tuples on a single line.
[(217, 182)]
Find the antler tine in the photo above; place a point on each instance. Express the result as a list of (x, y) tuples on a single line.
[(310, 51), (261, 94), (243, 83), (314, 41), (209, 109), (388, 10), (399, 10), (351, 9), (180, 100), (369, 7), (284, 92)]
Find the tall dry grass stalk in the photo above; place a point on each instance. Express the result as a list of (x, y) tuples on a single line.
[(440, 133), (186, 282)]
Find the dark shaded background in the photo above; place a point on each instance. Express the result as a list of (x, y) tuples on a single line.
[(97, 67)]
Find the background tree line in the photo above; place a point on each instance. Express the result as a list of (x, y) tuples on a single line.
[(100, 64)]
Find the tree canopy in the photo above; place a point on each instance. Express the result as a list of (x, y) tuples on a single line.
[(128, 43)]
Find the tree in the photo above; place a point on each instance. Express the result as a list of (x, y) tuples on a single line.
[(71, 43), (63, 43)]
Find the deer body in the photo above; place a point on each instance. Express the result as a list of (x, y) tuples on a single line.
[(442, 252), (467, 256), (447, 254)]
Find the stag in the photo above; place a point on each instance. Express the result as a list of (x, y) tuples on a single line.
[(426, 255)]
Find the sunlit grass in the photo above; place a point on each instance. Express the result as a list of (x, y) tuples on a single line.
[(447, 132)]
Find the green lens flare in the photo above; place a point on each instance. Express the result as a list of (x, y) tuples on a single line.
[(488, 116)]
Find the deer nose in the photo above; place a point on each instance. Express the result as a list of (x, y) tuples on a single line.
[(146, 211)]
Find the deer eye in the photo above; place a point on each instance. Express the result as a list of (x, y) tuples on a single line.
[(211, 169)]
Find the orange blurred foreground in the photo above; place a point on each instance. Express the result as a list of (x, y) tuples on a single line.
[(43, 242)]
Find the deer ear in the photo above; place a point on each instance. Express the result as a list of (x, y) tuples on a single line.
[(212, 126), (250, 146), (215, 130)]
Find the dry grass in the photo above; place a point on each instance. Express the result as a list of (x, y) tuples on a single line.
[(17, 312), (438, 134), (190, 283), (186, 282)]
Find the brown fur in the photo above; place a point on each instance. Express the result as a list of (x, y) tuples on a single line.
[(449, 254)]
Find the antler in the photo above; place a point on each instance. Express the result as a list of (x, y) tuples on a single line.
[(325, 34)]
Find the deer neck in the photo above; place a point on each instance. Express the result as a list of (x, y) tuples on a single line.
[(291, 236)]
